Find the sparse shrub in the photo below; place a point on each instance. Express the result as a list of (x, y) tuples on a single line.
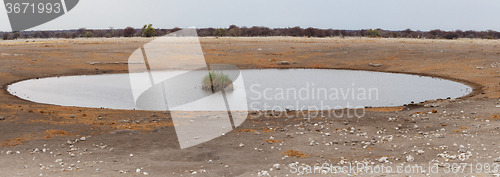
[(220, 32), (129, 32), (295, 31), (148, 31), (216, 81), (99, 33), (235, 32), (308, 32), (450, 35), (489, 37), (81, 31), (61, 35), (15, 35), (394, 34), (277, 33), (5, 36), (320, 33), (89, 34), (37, 34), (45, 34), (373, 33)]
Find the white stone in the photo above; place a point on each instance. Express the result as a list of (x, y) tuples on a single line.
[(420, 152), (383, 159), (410, 158), (277, 166)]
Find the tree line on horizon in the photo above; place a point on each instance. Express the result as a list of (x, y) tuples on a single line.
[(255, 31)]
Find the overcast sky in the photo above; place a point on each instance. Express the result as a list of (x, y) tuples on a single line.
[(347, 14)]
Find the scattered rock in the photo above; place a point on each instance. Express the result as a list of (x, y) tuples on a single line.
[(283, 63), (383, 159), (410, 158), (72, 116), (420, 152), (375, 64), (277, 166), (263, 173), (2, 118), (430, 105)]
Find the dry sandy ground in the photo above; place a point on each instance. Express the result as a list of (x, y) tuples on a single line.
[(39, 139)]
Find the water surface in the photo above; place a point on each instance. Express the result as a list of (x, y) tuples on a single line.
[(267, 89)]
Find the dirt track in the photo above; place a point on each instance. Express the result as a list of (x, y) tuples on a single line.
[(30, 125)]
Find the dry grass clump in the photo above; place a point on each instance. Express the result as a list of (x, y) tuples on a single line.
[(216, 81), (292, 153)]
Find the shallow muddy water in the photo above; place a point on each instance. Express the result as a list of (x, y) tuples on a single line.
[(267, 89)]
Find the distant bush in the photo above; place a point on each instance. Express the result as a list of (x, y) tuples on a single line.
[(308, 32), (89, 34), (99, 33), (373, 33), (233, 30), (16, 35), (220, 32), (394, 34), (295, 31), (37, 34), (450, 35), (216, 81), (81, 31), (5, 36), (148, 31), (61, 35), (129, 32)]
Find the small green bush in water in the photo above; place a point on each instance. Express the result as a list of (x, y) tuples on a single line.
[(220, 81)]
